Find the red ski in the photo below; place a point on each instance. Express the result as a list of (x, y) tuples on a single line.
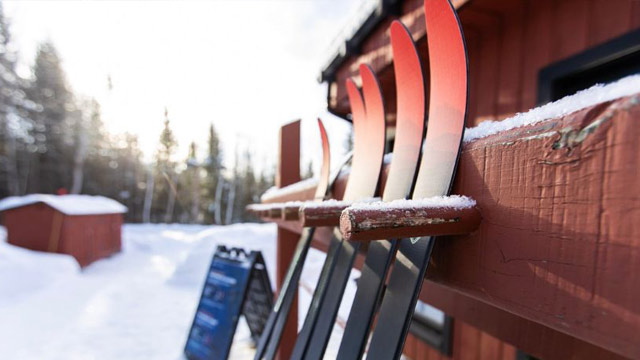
[(363, 181), (448, 98), (410, 127), (277, 318)]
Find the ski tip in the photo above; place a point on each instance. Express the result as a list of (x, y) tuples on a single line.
[(323, 132), (409, 76), (373, 102), (325, 170), (355, 101), (366, 71), (398, 29)]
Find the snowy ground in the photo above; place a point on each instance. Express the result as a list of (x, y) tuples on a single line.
[(138, 304)]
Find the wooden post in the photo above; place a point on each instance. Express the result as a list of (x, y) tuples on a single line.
[(288, 173)]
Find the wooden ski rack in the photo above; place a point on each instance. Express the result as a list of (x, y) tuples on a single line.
[(326, 213), (411, 219)]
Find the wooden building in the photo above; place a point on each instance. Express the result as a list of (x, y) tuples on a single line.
[(85, 227), (551, 273)]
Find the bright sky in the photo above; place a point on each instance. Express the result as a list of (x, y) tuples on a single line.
[(246, 66)]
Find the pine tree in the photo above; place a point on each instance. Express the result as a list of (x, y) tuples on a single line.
[(52, 167), (165, 175), (190, 188), (14, 120), (212, 185)]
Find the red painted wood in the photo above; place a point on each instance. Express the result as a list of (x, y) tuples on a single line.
[(510, 58), (288, 173), (389, 222), (605, 20), (284, 254), (484, 63), (538, 34), (87, 238), (410, 347), (571, 28)]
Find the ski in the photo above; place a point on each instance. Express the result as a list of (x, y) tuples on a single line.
[(448, 98), (365, 171), (273, 329), (410, 130)]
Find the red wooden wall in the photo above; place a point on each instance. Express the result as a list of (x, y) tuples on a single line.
[(508, 41)]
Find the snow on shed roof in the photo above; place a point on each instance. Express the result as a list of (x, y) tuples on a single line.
[(67, 204)]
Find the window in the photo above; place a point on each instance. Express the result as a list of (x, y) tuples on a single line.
[(605, 63), (433, 327)]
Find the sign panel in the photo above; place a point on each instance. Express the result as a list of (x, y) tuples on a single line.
[(224, 298)]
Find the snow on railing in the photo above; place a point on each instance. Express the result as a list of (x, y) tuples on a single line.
[(594, 95), (453, 201)]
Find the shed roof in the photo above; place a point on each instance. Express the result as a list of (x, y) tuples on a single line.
[(67, 204)]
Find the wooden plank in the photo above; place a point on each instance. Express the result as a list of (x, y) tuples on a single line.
[(537, 37), (468, 339), (553, 247), (635, 15), (605, 22), (570, 31), (288, 155), (485, 63), (510, 58), (288, 173), (410, 347), (533, 338)]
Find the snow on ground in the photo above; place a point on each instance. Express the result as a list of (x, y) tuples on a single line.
[(137, 304)]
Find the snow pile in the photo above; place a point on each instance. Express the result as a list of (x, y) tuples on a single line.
[(138, 304), (67, 204), (23, 272), (595, 95), (453, 201)]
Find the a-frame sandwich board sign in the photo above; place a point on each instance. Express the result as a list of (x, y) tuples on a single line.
[(236, 284)]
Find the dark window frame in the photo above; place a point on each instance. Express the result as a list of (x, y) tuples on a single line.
[(585, 63)]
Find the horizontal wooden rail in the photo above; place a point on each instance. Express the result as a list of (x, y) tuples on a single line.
[(326, 213), (407, 219), (291, 210)]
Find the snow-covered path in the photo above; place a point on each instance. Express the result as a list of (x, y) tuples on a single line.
[(138, 304)]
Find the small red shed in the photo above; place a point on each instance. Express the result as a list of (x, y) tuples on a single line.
[(86, 227)]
